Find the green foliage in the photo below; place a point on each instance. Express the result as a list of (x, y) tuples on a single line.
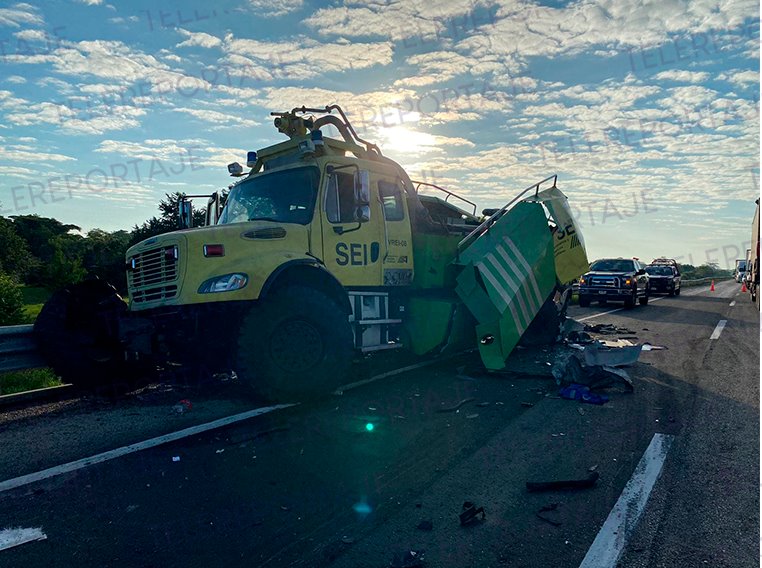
[(168, 220), (28, 379), (11, 301), (15, 258)]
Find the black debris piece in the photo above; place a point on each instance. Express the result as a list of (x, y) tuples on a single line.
[(425, 525), (586, 483), (608, 329), (471, 513)]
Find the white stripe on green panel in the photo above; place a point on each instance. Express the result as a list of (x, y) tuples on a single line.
[(522, 278), (503, 295), (516, 288), (528, 268)]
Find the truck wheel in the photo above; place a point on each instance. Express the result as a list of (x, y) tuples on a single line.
[(630, 302), (671, 293), (77, 333), (677, 291), (644, 300), (584, 302), (298, 341)]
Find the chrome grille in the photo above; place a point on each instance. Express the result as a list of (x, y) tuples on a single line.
[(152, 274)]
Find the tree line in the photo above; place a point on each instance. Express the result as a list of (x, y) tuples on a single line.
[(44, 252)]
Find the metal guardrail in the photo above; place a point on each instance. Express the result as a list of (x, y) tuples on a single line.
[(18, 349)]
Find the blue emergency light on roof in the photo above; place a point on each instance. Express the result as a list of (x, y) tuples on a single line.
[(251, 159)]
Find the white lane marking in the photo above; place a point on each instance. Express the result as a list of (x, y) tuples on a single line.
[(733, 303), (718, 330), (13, 537), (344, 388), (650, 300), (623, 518), (136, 447)]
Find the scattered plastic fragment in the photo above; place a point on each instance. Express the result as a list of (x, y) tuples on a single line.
[(649, 347), (583, 394), (455, 406), (589, 481), (175, 458), (472, 416), (407, 559), (527, 404), (347, 539), (183, 406), (219, 451), (471, 513)]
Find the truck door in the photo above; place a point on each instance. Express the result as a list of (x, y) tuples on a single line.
[(398, 253), (353, 248)]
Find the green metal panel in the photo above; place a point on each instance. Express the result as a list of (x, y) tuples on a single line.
[(426, 323), (508, 273), (433, 257)]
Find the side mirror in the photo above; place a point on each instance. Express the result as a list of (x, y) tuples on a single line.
[(362, 187), (362, 214), (640, 272), (185, 215)]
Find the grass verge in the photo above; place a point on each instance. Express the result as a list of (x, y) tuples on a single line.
[(28, 379)]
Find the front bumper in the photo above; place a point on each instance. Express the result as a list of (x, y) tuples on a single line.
[(613, 294)]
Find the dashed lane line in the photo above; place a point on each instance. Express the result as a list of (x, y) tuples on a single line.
[(124, 450), (623, 518), (718, 329)]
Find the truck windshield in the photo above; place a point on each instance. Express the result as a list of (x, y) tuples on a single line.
[(287, 196), (659, 270), (612, 265)]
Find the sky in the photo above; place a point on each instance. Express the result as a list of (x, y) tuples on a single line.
[(648, 111)]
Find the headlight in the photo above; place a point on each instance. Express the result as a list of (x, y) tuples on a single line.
[(582, 281), (224, 283), (628, 282)]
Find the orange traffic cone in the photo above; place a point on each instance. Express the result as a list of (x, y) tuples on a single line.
[(712, 288), (743, 287)]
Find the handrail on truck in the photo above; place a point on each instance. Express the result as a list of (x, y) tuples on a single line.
[(492, 219), (449, 193)]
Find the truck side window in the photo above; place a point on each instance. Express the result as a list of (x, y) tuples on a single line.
[(340, 198), (391, 196)]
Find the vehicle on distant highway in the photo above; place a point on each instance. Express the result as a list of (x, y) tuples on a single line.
[(664, 277), (740, 272), (615, 279)]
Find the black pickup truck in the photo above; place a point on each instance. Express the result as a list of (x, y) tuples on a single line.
[(664, 277), (615, 280)]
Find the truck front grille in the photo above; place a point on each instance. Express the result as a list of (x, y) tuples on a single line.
[(152, 274), (605, 281)]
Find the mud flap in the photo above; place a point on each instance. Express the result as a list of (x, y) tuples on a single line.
[(508, 273)]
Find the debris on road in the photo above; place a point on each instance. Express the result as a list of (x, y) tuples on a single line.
[(425, 525), (589, 481), (616, 355), (14, 537), (470, 514), (609, 329), (455, 407), (347, 540), (527, 404), (182, 406), (649, 347), (583, 394), (175, 458), (407, 559), (547, 509)]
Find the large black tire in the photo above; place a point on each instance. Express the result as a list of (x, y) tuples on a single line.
[(644, 300), (584, 302), (629, 303), (77, 332), (677, 292), (296, 342)]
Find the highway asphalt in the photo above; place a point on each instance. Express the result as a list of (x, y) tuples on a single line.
[(354, 479)]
